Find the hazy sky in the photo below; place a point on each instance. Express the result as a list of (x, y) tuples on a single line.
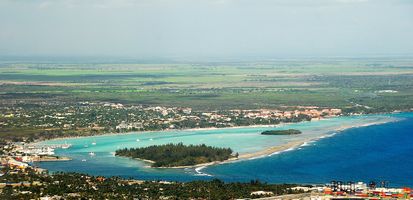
[(206, 28)]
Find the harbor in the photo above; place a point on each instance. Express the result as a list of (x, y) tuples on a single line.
[(22, 155)]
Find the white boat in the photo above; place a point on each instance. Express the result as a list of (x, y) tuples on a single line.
[(92, 154), (66, 146), (137, 140), (83, 160), (93, 143), (151, 139)]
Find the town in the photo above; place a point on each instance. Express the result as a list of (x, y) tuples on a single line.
[(51, 120), (28, 182), (87, 118)]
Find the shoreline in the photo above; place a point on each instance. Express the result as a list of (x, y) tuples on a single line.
[(172, 130), (52, 159), (293, 145), (36, 142), (189, 129)]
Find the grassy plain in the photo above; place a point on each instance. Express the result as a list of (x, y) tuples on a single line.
[(216, 85)]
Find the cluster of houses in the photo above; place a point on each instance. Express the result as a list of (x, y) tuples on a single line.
[(173, 118), (356, 190), (364, 190), (18, 155), (16, 165), (104, 117), (314, 112), (337, 190)]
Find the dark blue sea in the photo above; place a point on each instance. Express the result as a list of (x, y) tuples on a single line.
[(381, 152), (372, 153)]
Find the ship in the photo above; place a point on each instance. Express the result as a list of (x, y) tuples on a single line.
[(66, 146)]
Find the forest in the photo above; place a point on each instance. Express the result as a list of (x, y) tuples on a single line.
[(282, 132), (81, 186), (173, 155)]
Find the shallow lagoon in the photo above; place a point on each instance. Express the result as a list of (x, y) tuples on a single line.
[(242, 140)]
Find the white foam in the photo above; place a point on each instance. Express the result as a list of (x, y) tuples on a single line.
[(275, 153), (305, 144), (331, 135), (289, 149), (200, 173), (253, 158), (278, 152)]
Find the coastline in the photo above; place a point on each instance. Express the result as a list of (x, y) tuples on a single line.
[(253, 155), (36, 142), (185, 129), (241, 157), (169, 130), (52, 159), (295, 144), (271, 150)]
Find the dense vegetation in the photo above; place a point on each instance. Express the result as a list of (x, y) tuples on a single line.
[(172, 155), (282, 132), (81, 186)]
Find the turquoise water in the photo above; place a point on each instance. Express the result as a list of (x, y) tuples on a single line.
[(275, 168), (373, 153)]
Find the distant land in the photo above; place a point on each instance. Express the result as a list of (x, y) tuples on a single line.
[(43, 100)]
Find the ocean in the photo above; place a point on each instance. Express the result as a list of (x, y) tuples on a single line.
[(362, 153)]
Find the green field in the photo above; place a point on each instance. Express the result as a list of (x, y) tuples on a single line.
[(215, 85)]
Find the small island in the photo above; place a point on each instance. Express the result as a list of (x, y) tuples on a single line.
[(282, 132), (176, 155)]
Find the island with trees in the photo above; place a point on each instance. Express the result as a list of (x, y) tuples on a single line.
[(177, 155), (282, 132)]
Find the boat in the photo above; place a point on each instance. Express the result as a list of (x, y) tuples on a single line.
[(93, 143), (83, 160), (65, 145), (151, 139), (137, 140), (92, 153)]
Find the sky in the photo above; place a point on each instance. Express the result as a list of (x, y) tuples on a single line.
[(206, 28)]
